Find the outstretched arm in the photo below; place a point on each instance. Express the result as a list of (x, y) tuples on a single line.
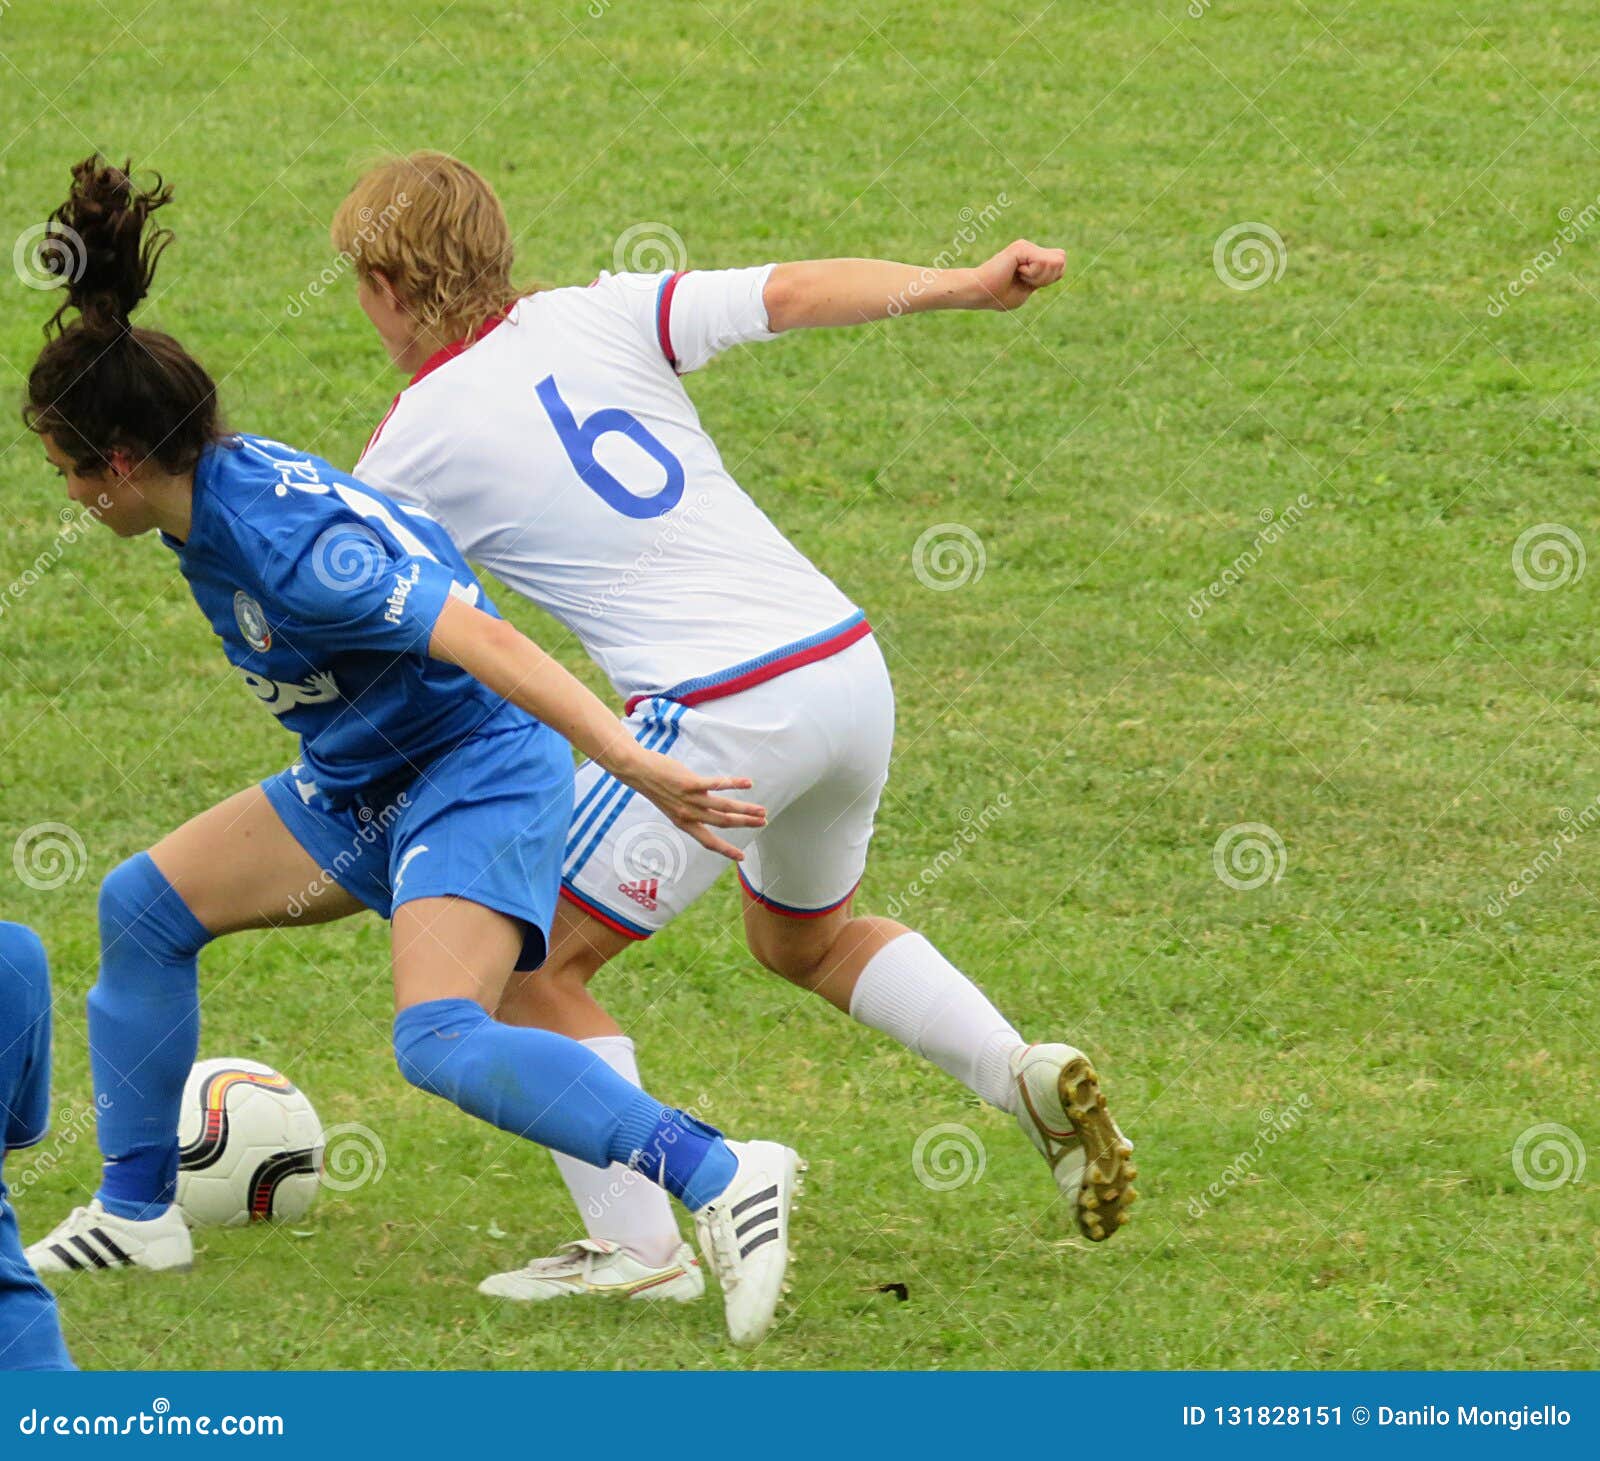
[(851, 291), (512, 665)]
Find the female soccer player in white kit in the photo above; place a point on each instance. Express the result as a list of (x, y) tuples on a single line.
[(551, 435)]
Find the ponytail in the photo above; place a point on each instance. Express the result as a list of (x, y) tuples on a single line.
[(100, 384)]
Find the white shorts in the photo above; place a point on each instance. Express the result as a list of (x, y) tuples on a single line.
[(815, 741)]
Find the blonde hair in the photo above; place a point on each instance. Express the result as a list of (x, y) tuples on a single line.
[(436, 231)]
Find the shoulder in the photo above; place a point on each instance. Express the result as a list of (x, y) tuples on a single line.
[(269, 505)]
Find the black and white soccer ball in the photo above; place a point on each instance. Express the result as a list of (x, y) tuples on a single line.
[(250, 1146)]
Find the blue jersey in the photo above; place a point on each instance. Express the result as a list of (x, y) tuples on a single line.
[(30, 1335), (324, 594)]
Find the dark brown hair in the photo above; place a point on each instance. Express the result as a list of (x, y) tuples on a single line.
[(100, 384)]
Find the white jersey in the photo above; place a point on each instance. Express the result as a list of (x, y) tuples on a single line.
[(561, 451)]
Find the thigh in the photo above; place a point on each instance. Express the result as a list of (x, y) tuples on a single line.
[(238, 866), (452, 948), (809, 857), (484, 825)]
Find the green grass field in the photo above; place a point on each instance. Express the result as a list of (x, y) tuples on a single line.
[(1327, 1074)]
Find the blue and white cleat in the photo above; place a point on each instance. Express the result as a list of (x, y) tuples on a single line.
[(1062, 1111), (745, 1235)]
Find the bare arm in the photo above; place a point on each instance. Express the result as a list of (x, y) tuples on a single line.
[(851, 291), (512, 665)]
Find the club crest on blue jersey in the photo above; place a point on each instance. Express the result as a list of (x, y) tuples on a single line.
[(251, 621)]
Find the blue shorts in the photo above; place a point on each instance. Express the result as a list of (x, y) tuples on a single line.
[(486, 821)]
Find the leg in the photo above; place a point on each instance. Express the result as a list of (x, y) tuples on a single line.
[(234, 867), (452, 959), (893, 980), (556, 995), (616, 1204)]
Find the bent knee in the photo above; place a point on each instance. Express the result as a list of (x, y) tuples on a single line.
[(799, 960), (430, 1042), (136, 901)]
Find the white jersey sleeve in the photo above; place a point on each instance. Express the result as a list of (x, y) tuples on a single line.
[(692, 316)]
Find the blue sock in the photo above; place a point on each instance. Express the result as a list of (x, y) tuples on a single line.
[(687, 1157), (144, 1032), (554, 1091)]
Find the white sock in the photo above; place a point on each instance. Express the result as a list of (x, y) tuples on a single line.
[(616, 1202), (913, 994)]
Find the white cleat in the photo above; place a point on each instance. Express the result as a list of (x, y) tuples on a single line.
[(92, 1239), (600, 1269), (1062, 1111), (745, 1235)]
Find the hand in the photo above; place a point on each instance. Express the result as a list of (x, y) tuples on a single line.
[(685, 797), (1009, 279)]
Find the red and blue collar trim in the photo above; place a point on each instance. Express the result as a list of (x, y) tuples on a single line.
[(819, 646), (455, 347), (432, 363)]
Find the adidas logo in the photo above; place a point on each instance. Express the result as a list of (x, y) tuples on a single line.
[(108, 1255), (642, 892)]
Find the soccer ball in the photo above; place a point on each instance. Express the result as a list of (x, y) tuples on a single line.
[(250, 1146)]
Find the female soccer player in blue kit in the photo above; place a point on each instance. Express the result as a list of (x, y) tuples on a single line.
[(357, 623), (30, 1331)]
